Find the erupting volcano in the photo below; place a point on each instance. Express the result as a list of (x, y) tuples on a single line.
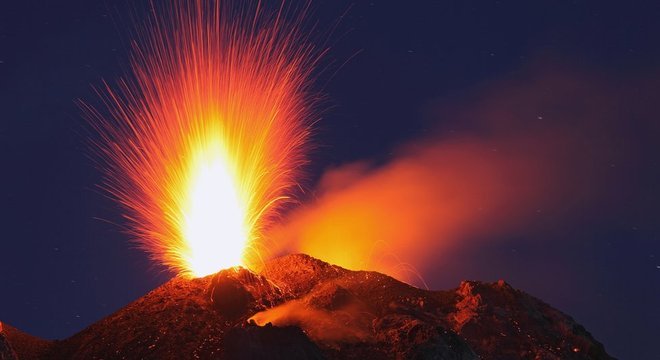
[(203, 142)]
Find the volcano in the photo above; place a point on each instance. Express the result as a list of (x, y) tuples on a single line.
[(298, 307)]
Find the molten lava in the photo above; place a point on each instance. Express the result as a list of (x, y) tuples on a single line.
[(203, 142)]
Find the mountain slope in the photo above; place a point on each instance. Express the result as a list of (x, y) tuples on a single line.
[(299, 307)]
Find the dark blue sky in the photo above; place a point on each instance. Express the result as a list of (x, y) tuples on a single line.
[(414, 69)]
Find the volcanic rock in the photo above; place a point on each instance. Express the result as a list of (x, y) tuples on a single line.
[(14, 341), (269, 342), (298, 307), (6, 351), (239, 292)]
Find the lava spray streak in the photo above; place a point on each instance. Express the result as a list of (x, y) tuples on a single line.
[(203, 142)]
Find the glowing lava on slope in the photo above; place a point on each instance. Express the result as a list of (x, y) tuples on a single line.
[(203, 142)]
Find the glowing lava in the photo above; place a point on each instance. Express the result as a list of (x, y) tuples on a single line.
[(215, 213), (202, 144)]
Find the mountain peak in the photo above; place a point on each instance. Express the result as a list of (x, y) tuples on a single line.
[(299, 307)]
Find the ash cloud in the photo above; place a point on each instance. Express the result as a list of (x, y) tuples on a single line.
[(548, 146), (346, 324)]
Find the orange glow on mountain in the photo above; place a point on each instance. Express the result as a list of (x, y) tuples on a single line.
[(203, 142)]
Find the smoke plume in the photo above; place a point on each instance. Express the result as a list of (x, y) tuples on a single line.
[(544, 147)]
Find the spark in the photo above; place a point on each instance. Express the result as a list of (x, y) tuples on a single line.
[(202, 143)]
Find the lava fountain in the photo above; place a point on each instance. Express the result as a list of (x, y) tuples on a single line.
[(203, 141)]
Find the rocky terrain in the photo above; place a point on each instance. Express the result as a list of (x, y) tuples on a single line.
[(298, 307)]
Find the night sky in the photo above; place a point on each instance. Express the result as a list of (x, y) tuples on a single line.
[(581, 78)]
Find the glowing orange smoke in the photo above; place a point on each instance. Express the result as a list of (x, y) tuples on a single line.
[(204, 141)]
